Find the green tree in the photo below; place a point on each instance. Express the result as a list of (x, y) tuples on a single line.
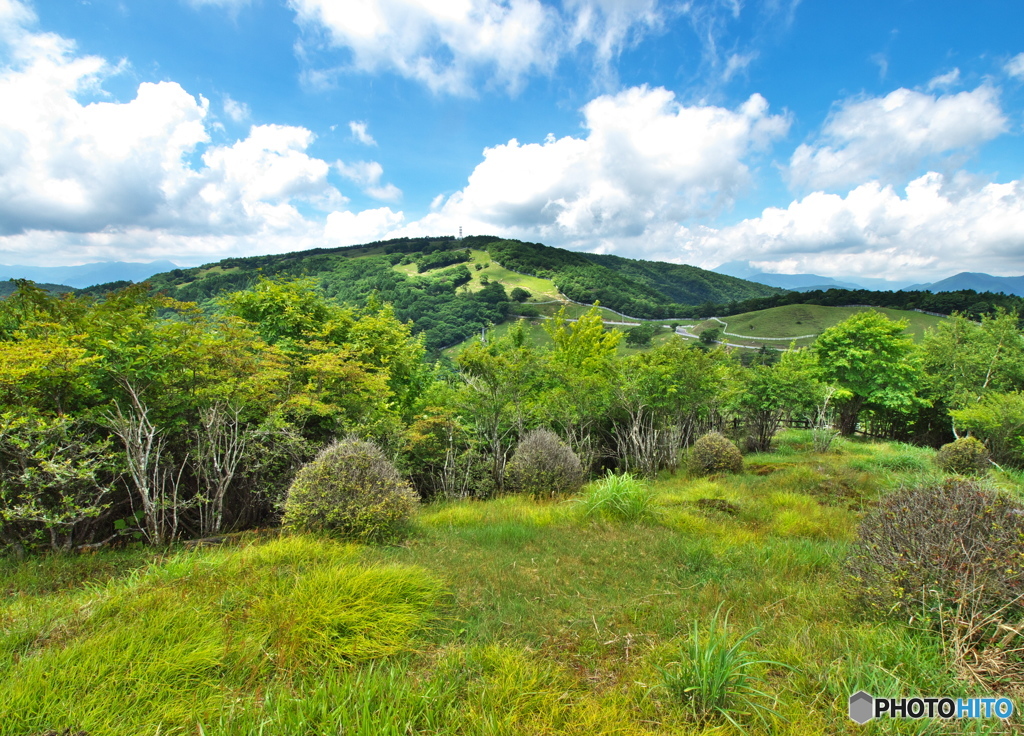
[(500, 385), (710, 336), (998, 419), (641, 335), (873, 364), (963, 360), (763, 394), (663, 400), (580, 372)]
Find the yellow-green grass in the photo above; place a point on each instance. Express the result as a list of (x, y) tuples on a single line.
[(504, 616), (532, 329), (795, 320), (540, 289)]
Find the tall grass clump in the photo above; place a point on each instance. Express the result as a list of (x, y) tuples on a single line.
[(897, 457), (180, 642), (350, 490), (714, 677), (619, 498), (543, 466)]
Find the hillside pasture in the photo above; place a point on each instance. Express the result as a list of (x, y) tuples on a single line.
[(797, 320)]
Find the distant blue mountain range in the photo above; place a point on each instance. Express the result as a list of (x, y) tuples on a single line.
[(88, 274), (977, 281), (809, 281), (804, 281)]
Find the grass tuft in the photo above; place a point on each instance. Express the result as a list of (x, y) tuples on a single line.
[(619, 498), (714, 677)]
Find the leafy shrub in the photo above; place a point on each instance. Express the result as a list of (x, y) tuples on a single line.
[(350, 490), (544, 466), (998, 419), (619, 497), (714, 453), (928, 548), (965, 456), (713, 679)]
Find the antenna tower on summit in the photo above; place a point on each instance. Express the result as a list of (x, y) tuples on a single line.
[(460, 232)]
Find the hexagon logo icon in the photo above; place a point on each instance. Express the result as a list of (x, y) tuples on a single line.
[(862, 707)]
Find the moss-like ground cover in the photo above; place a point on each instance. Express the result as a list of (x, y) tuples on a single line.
[(508, 616)]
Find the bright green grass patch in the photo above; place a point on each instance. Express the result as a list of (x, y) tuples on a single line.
[(508, 508), (802, 516), (793, 320), (618, 498), (175, 644)]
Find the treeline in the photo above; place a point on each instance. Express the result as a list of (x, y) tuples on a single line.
[(967, 302), (137, 415)]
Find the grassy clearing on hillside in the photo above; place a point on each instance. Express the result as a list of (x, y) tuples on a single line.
[(810, 319), (540, 289), (508, 616)]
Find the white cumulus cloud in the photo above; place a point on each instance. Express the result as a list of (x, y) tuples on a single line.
[(352, 228), (367, 174), (140, 179), (237, 111), (938, 227), (646, 163), (889, 138)]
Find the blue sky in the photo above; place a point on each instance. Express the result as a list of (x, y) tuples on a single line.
[(873, 139)]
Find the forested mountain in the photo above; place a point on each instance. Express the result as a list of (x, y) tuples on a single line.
[(966, 301), (646, 289), (976, 281), (9, 287), (451, 288)]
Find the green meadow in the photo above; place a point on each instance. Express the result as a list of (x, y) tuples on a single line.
[(502, 616), (799, 320)]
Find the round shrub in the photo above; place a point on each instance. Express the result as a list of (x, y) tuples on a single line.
[(930, 548), (544, 466), (714, 453), (350, 490), (965, 456)]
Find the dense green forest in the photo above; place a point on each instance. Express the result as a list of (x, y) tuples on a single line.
[(140, 412)]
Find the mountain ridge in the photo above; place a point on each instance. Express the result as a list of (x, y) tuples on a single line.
[(87, 274)]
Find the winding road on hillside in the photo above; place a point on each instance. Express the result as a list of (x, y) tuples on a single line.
[(683, 330)]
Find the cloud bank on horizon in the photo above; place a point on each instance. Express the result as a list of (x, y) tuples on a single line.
[(692, 133)]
